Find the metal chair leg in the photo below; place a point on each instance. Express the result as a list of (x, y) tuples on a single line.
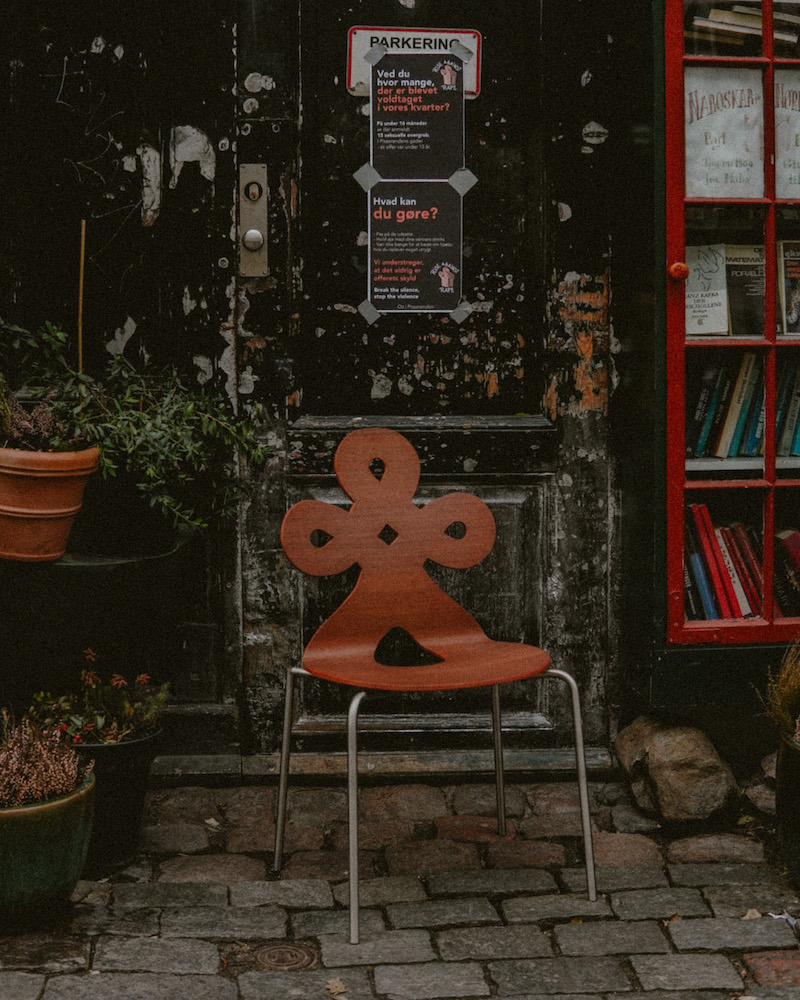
[(283, 778), (583, 787), (499, 777), (352, 811)]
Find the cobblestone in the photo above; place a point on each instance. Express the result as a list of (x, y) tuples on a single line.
[(616, 878), (654, 904), (20, 986), (610, 937), (139, 986), (296, 894), (392, 946), (520, 941), (315, 923), (728, 934), (552, 908), (491, 883), (304, 984), (442, 913), (685, 972), (38, 953), (379, 891), (736, 900), (156, 955), (515, 977), (230, 924), (720, 874), (425, 982), (158, 894), (440, 918)]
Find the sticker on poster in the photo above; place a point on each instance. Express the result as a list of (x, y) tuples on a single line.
[(415, 247), (417, 115), (457, 41)]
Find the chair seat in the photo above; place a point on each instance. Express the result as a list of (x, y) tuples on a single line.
[(466, 663)]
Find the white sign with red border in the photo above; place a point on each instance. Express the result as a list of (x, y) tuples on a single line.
[(361, 39)]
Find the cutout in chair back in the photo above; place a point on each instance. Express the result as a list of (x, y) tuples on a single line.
[(391, 538), (399, 649)]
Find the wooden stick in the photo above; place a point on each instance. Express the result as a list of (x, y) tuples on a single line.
[(80, 296)]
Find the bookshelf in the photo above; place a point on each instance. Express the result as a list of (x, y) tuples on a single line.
[(732, 492)]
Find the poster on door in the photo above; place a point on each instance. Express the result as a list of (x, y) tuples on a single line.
[(724, 129), (415, 246), (417, 116)]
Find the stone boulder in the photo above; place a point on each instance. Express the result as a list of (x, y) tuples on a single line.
[(674, 771)]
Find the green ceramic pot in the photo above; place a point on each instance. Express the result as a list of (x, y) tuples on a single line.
[(42, 850), (787, 804)]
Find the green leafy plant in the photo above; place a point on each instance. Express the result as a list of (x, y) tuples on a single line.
[(35, 766), (783, 694), (115, 711), (173, 441)]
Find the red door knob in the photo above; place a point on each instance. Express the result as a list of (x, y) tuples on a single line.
[(678, 271)]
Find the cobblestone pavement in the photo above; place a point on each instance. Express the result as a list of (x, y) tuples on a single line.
[(451, 909)]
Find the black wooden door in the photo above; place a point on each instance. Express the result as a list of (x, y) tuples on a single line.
[(466, 386)]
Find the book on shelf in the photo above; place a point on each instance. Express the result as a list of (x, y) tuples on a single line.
[(700, 393), (712, 557), (706, 291), (753, 438), (739, 16), (742, 391), (750, 555), (789, 285), (745, 611), (784, 383), (787, 570), (744, 278), (698, 576), (725, 290), (751, 592), (721, 403), (792, 414)]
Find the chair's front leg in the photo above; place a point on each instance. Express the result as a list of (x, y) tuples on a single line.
[(283, 776), (352, 810), (583, 786)]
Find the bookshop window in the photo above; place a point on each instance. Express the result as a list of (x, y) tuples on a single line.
[(733, 320)]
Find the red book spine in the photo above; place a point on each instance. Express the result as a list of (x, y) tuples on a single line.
[(711, 560), (748, 584), (736, 611), (753, 563)]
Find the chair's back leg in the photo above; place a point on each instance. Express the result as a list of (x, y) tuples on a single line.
[(352, 810), (283, 777), (583, 786), (499, 777)]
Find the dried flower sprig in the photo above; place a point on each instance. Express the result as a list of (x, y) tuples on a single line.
[(35, 767), (783, 694)]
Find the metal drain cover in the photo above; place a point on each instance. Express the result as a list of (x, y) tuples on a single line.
[(287, 957)]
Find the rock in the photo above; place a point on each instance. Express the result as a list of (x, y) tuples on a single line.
[(761, 795), (675, 771)]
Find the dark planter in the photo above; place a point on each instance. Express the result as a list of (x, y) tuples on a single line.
[(43, 846), (787, 804), (122, 771)]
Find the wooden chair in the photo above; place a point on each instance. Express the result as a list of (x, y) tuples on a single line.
[(390, 538)]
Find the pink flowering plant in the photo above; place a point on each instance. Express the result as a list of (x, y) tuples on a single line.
[(102, 712)]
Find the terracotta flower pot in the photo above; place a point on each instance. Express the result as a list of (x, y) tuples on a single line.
[(40, 494), (43, 846)]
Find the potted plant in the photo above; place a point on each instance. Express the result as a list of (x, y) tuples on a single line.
[(46, 800), (44, 465), (163, 439), (783, 705), (116, 723)]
